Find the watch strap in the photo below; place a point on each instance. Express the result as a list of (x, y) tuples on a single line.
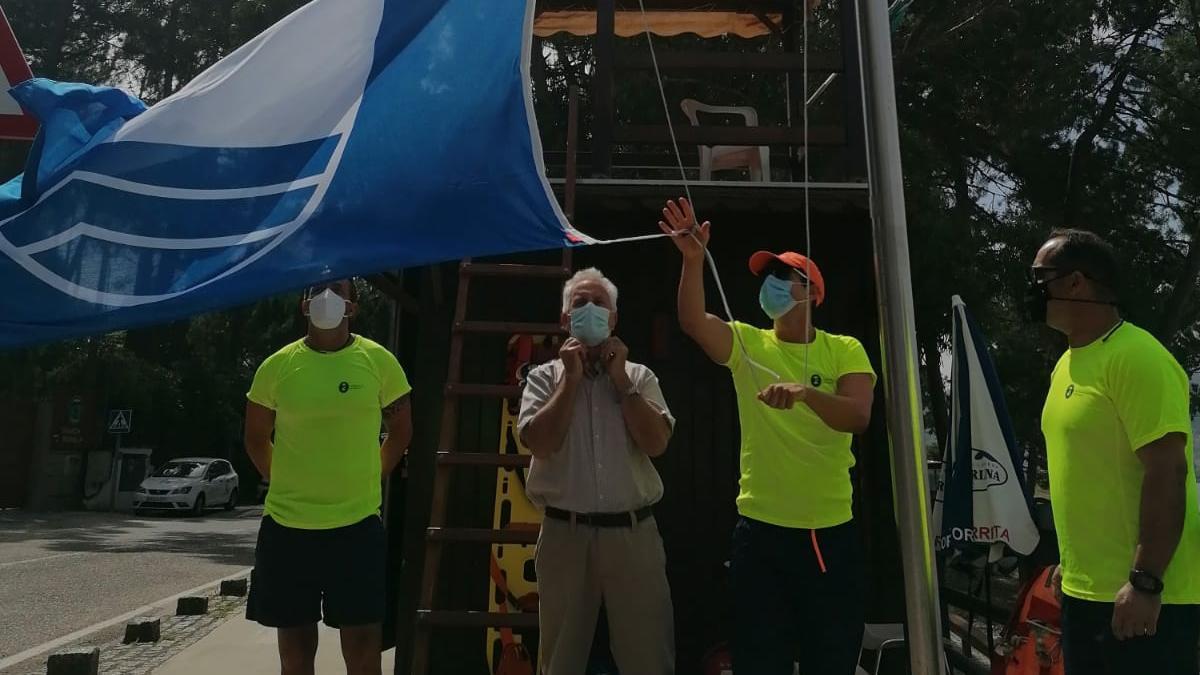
[(1145, 582)]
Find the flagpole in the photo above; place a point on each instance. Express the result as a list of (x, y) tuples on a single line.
[(898, 338)]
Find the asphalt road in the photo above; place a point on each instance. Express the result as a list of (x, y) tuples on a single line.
[(60, 573)]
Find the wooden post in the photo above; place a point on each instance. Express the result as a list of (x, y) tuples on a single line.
[(572, 153), (795, 97), (602, 87), (854, 164)]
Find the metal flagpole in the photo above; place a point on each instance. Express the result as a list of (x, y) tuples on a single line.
[(898, 338)]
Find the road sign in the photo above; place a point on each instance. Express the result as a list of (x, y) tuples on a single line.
[(15, 123), (120, 421)]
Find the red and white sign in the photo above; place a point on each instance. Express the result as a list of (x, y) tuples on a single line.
[(15, 123)]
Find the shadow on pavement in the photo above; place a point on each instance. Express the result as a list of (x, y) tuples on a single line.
[(206, 536)]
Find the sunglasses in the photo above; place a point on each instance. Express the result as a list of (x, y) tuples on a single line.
[(1044, 275), (785, 272), (335, 286)]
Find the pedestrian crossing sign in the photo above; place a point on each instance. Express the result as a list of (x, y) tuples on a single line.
[(120, 421)]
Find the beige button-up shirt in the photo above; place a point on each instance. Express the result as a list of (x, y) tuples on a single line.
[(599, 469)]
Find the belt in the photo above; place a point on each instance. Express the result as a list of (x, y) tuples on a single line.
[(624, 519)]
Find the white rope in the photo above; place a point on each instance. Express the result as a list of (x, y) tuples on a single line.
[(807, 213), (626, 240), (768, 422), (662, 92)]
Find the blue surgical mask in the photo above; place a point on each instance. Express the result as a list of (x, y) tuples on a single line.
[(775, 296), (589, 324)]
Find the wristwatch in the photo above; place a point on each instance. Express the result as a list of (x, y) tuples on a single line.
[(1145, 582), (631, 391)]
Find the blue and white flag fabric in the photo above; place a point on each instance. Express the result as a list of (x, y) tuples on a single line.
[(980, 494), (352, 137)]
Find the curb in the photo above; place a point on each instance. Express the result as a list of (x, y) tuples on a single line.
[(176, 634)]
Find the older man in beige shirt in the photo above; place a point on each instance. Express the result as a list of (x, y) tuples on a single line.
[(593, 420)]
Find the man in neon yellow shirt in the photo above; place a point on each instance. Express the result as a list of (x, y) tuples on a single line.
[(322, 549), (1122, 485), (802, 393)]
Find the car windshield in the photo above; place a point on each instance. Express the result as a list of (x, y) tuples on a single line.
[(180, 470)]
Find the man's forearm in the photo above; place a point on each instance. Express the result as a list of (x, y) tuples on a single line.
[(1164, 499), (646, 425), (691, 295), (260, 456), (547, 431), (391, 452), (841, 413)]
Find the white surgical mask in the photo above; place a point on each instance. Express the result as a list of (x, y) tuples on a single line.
[(326, 310)]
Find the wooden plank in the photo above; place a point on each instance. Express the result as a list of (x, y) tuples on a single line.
[(605, 50), (823, 135), (572, 160), (662, 160), (513, 270), (451, 619), (450, 458), (824, 63), (481, 535), (483, 391), (855, 161), (748, 6), (390, 286), (510, 327)]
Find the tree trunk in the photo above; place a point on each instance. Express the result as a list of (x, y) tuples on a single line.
[(60, 13), (1181, 293), (227, 24), (932, 362), (537, 66), (1085, 145)]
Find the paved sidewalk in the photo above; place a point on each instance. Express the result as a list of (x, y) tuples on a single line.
[(178, 633), (240, 646)]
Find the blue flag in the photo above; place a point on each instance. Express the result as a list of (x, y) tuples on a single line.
[(352, 137)]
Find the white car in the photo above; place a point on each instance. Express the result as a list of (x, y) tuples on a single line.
[(190, 484)]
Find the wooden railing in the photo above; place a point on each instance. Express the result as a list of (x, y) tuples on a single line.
[(845, 135)]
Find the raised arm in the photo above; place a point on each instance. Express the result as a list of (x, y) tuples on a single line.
[(645, 420), (550, 405), (713, 335)]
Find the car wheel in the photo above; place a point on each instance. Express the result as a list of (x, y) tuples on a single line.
[(198, 507), (232, 500)]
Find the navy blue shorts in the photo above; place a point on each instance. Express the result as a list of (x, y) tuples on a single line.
[(302, 576)]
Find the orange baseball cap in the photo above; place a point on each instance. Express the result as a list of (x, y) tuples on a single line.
[(762, 260)]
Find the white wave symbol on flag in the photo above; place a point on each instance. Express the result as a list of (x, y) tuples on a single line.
[(147, 234)]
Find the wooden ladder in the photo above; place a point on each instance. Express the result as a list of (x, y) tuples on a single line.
[(449, 457)]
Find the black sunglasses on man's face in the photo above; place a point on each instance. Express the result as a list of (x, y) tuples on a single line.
[(1044, 275), (338, 287)]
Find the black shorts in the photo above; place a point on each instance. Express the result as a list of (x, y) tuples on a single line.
[(295, 571)]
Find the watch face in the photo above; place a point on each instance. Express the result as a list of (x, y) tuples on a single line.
[(1145, 582)]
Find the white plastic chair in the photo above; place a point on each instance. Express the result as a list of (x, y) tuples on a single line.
[(723, 157), (878, 637)]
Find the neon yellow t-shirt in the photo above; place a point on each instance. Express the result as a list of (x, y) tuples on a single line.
[(1106, 401), (795, 469), (326, 469)]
